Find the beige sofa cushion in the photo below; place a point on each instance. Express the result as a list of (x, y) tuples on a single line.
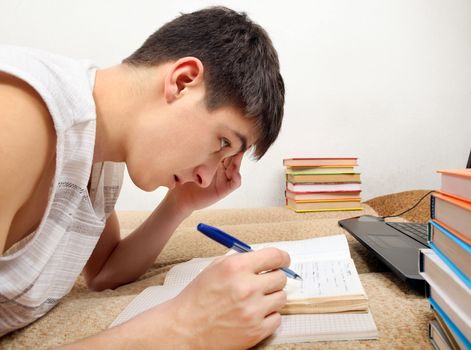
[(401, 313)]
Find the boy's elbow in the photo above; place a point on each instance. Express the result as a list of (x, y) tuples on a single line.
[(95, 285), (99, 283)]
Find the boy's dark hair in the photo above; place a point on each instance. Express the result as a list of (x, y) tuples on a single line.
[(241, 64)]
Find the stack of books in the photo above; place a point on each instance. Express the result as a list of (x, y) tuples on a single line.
[(447, 266), (322, 184)]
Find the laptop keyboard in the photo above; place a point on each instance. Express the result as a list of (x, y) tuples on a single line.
[(413, 230)]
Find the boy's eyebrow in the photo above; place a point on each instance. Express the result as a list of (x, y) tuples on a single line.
[(243, 141)]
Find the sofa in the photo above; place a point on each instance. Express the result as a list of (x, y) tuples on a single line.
[(401, 312)]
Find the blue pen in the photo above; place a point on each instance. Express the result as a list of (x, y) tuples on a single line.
[(233, 243)]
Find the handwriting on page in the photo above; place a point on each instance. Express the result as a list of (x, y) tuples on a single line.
[(324, 278)]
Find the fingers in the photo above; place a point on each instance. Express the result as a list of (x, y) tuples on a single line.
[(270, 324), (230, 168), (233, 163), (268, 259), (235, 180), (237, 160), (274, 302), (272, 281)]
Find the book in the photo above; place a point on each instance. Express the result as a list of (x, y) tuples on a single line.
[(438, 337), (448, 333), (329, 304), (322, 178), (319, 170), (313, 162), (457, 183), (306, 178), (457, 252), (323, 205), (447, 294), (439, 274), (323, 187), (453, 214), (312, 196), (462, 341)]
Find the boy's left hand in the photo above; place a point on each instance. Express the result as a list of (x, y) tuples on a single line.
[(191, 196)]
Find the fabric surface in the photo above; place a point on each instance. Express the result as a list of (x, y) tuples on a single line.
[(40, 269), (396, 203), (401, 313)]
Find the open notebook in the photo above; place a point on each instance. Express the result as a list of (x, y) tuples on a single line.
[(330, 284)]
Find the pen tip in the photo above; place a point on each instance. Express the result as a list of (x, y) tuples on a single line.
[(299, 278)]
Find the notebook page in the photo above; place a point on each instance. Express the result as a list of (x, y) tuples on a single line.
[(293, 329), (320, 248), (319, 327), (322, 278), (147, 299), (184, 273)]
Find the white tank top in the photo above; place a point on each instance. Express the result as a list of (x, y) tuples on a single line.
[(40, 269)]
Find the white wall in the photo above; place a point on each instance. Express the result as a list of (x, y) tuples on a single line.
[(387, 81)]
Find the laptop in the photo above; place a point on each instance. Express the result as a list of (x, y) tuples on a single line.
[(395, 244)]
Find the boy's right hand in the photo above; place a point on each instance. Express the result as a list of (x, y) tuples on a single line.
[(230, 305)]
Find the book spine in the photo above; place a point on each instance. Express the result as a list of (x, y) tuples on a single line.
[(449, 322), (451, 265), (432, 207)]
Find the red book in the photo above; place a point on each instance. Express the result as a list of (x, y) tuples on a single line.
[(311, 196)]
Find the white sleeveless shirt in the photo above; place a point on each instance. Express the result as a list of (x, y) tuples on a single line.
[(40, 269)]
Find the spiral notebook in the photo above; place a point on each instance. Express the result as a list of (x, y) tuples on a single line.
[(306, 327)]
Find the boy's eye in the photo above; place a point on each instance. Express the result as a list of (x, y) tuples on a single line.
[(225, 143)]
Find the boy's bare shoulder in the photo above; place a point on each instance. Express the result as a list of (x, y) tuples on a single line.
[(27, 145)]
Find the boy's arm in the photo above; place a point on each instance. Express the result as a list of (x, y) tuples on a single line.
[(117, 261)]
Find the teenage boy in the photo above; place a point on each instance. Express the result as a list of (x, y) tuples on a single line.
[(179, 112)]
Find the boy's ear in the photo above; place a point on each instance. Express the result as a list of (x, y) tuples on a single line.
[(184, 73)]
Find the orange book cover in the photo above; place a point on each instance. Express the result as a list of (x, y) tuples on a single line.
[(453, 231), (456, 183), (462, 204), (324, 161)]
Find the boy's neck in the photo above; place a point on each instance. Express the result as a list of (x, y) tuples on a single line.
[(119, 94)]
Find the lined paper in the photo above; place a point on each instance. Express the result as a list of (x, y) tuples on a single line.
[(337, 277)]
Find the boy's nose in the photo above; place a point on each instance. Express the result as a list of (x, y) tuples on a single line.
[(204, 174)]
